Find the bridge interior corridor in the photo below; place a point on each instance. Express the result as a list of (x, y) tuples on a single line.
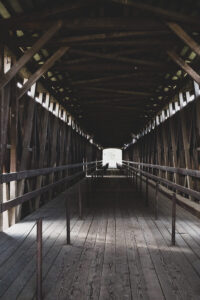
[(118, 250)]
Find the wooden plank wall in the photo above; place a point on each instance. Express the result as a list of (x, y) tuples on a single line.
[(175, 142), (36, 138)]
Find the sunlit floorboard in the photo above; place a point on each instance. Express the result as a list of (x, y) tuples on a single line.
[(118, 251)]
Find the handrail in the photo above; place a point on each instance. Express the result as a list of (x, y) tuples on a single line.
[(33, 194), (158, 179), (181, 171), (8, 177)]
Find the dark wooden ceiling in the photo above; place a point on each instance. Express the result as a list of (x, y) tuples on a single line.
[(116, 74)]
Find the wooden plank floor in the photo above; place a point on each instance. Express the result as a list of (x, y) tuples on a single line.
[(118, 251)]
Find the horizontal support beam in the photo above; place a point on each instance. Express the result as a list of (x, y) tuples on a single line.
[(74, 24), (28, 54), (45, 67), (120, 59), (123, 92), (102, 79), (23, 41)]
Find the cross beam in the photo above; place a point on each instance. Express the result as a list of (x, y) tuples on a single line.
[(27, 56), (48, 64), (119, 58), (124, 92), (179, 61), (185, 37)]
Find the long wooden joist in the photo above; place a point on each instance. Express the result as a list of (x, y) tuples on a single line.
[(144, 62), (123, 92)]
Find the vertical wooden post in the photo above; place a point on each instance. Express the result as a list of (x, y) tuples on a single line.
[(39, 260), (173, 219), (80, 201), (67, 207), (156, 201), (140, 181), (147, 192), (136, 180), (13, 150)]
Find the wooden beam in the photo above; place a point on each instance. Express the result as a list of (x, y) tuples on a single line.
[(124, 92), (27, 56), (109, 67), (23, 41), (185, 37), (42, 15), (102, 79), (102, 23), (48, 64), (160, 12), (119, 58), (179, 61)]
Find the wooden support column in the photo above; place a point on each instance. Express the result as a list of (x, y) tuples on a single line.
[(186, 143), (4, 120), (174, 147), (43, 140), (13, 150), (165, 134), (53, 151), (197, 104), (28, 125)]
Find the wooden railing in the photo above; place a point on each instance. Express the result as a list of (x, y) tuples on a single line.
[(68, 180), (177, 187), (135, 172)]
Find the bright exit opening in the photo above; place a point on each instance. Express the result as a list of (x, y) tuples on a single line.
[(112, 156)]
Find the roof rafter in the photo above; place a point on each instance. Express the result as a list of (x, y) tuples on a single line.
[(28, 54), (160, 11), (185, 37), (184, 66), (48, 64)]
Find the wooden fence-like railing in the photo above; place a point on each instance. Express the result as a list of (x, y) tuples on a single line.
[(134, 170), (68, 180)]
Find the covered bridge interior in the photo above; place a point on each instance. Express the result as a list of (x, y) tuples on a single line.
[(78, 77)]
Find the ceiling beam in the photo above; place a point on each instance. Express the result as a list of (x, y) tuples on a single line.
[(109, 68), (28, 54), (123, 92), (102, 79), (42, 15), (162, 43), (24, 42), (168, 14), (48, 64), (185, 37), (74, 24), (119, 58), (184, 66)]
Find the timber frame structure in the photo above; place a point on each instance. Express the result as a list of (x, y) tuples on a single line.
[(76, 74), (77, 78)]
